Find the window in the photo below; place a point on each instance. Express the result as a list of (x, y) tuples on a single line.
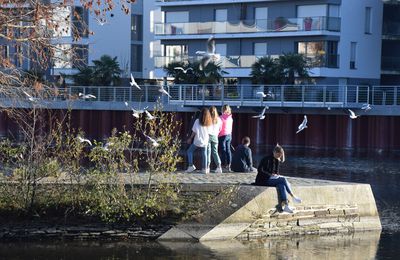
[(313, 51), (260, 49), (261, 16), (221, 49), (177, 17), (221, 15), (368, 20), (62, 16), (18, 56), (136, 27), (136, 57), (176, 50), (81, 55), (62, 56), (353, 55), (80, 20)]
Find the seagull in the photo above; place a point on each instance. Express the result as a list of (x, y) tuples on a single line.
[(183, 70), (303, 125), (136, 113), (209, 54), (261, 116), (163, 91), (105, 147), (30, 98), (366, 107), (101, 21), (133, 82), (270, 94), (87, 96), (148, 115), (261, 94), (153, 141), (83, 140), (126, 103), (352, 114)]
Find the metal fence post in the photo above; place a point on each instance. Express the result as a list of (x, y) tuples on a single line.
[(241, 95), (324, 96), (357, 92), (373, 96), (222, 94), (395, 95), (203, 96), (146, 93), (282, 95), (114, 94), (302, 95)]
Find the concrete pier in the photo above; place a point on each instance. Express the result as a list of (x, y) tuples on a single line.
[(248, 211)]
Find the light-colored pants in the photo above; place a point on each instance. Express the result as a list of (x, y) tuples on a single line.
[(212, 149)]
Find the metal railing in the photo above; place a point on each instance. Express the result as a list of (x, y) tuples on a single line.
[(250, 26), (246, 61), (330, 96)]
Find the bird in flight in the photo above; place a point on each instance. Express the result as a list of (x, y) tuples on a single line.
[(261, 94), (352, 115), (303, 125), (148, 115), (153, 142), (163, 91), (183, 70), (366, 107), (261, 116), (84, 140), (209, 54), (30, 98), (133, 82), (87, 96)]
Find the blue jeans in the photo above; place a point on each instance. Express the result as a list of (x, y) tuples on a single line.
[(225, 146), (282, 186), (212, 149), (203, 151)]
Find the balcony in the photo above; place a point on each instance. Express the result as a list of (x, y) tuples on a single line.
[(200, 2), (246, 61), (391, 29), (391, 64), (278, 25)]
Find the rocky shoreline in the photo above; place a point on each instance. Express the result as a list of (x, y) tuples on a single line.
[(81, 232)]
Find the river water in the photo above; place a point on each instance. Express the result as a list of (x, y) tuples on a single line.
[(380, 169)]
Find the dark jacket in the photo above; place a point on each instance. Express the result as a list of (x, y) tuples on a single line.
[(242, 160), (269, 165)]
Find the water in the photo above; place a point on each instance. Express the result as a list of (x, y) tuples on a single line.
[(381, 170)]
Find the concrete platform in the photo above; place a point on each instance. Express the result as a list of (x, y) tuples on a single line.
[(247, 211)]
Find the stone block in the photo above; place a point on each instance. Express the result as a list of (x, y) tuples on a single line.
[(319, 213), (336, 211), (351, 211), (332, 225)]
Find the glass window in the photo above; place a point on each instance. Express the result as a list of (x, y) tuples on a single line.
[(136, 27), (62, 56), (368, 20), (353, 55), (220, 48), (221, 15), (260, 49), (175, 50), (136, 57)]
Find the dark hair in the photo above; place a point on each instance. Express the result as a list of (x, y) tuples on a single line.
[(205, 117), (245, 140), (278, 149)]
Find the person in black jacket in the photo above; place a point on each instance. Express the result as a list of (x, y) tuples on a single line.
[(242, 160), (268, 175)]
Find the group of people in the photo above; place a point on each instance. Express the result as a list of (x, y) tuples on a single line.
[(211, 131)]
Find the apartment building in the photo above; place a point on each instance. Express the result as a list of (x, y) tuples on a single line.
[(391, 43), (342, 39)]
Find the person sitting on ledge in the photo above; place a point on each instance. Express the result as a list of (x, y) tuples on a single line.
[(242, 160), (268, 175)]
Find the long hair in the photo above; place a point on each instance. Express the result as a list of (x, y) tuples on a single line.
[(279, 149), (226, 109), (214, 114), (205, 117)]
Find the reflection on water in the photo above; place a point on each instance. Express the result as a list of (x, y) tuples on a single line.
[(380, 170), (358, 246)]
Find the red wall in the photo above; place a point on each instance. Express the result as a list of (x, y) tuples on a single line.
[(336, 131)]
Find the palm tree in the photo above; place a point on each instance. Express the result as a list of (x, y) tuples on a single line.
[(212, 74), (179, 76), (291, 65), (106, 71), (84, 77), (265, 71)]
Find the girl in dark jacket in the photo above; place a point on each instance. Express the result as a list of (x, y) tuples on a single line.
[(268, 175)]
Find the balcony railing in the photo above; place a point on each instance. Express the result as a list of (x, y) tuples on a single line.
[(246, 61), (250, 26), (311, 96)]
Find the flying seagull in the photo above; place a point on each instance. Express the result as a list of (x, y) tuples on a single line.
[(133, 82), (209, 54), (303, 125), (148, 115), (87, 96), (352, 114), (183, 70), (366, 107), (30, 98), (152, 141), (84, 140), (261, 116), (261, 94), (163, 91)]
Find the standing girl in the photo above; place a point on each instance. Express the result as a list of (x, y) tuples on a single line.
[(200, 133), (212, 148), (225, 136)]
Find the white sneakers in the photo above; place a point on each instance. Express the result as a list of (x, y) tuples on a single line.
[(218, 170), (191, 168), (287, 209), (296, 200)]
